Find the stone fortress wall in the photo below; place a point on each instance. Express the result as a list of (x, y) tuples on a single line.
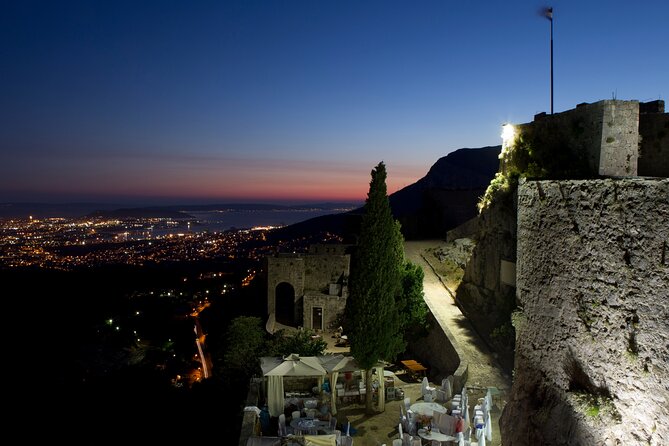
[(592, 281), (605, 134), (592, 348)]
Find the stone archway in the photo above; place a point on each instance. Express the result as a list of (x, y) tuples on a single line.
[(285, 304)]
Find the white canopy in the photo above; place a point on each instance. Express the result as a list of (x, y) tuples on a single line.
[(275, 368), (292, 365)]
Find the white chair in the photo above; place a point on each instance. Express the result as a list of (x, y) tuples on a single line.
[(411, 422), (283, 429), (426, 389), (337, 433), (447, 388)]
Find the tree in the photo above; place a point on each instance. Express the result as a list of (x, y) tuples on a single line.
[(411, 301), (373, 323), (245, 339), (300, 342)]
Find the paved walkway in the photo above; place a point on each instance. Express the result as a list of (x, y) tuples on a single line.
[(484, 371)]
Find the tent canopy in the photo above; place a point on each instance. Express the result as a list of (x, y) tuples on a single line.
[(292, 365), (341, 363)]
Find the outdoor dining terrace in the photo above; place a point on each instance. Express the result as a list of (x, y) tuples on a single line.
[(415, 413)]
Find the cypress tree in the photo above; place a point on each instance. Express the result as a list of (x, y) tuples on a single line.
[(372, 319)]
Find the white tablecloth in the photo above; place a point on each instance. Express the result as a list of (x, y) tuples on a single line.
[(422, 433), (427, 408)]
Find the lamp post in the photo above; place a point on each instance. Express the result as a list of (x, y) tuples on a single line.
[(549, 16)]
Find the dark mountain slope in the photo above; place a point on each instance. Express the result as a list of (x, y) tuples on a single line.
[(443, 199)]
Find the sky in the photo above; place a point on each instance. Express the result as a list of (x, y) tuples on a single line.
[(292, 101)]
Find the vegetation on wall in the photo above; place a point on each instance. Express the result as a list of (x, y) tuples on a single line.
[(539, 153)]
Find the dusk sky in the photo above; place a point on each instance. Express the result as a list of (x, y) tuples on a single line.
[(291, 101)]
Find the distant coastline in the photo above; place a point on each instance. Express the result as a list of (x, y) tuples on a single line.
[(183, 211)]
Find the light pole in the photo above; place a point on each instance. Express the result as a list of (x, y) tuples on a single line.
[(549, 16)]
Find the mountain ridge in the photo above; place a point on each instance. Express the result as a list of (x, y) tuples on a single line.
[(441, 200)]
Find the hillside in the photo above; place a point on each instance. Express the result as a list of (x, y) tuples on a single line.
[(443, 199)]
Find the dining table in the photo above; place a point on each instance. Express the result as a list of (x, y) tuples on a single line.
[(427, 409), (434, 435), (306, 424)]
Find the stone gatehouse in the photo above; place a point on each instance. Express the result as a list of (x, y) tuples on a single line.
[(309, 289)]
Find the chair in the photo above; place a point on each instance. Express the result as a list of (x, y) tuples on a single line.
[(447, 388), (446, 424), (411, 422), (337, 433), (451, 381), (296, 415), (427, 391), (283, 429), (333, 423), (397, 442)]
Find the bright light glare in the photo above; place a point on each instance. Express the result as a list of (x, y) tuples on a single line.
[(508, 132), (508, 135)]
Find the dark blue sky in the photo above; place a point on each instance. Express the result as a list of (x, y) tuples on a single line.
[(291, 100)]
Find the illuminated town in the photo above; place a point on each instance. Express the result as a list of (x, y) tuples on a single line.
[(66, 244)]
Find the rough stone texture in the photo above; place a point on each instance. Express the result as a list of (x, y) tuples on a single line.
[(620, 138), (593, 281), (481, 296)]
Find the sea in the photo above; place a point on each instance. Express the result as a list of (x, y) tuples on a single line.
[(218, 221)]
